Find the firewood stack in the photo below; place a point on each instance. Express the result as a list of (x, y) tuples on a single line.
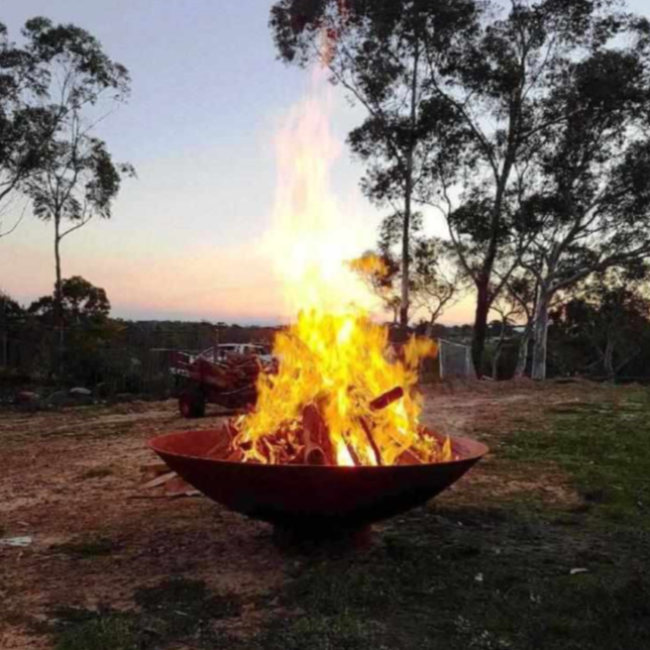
[(304, 442), (235, 371)]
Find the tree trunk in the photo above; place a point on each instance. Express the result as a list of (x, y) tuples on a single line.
[(480, 326), (522, 357), (608, 360), (58, 285), (497, 351), (404, 303), (408, 191), (484, 300), (58, 298), (541, 335)]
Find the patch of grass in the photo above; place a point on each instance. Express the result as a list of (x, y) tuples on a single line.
[(482, 578), (344, 632), (102, 631), (605, 447), (170, 612), (334, 593), (97, 472), (86, 549), (180, 607)]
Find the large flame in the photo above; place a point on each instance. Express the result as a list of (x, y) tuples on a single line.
[(339, 362), (312, 239), (334, 356)]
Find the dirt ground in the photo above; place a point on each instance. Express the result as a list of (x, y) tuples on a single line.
[(74, 477)]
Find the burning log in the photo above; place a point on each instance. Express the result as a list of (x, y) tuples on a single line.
[(387, 398), (318, 446), (371, 439), (407, 457), (306, 440), (353, 454), (235, 456), (378, 404), (316, 456)]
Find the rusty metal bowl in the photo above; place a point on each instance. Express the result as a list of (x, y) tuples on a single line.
[(311, 497)]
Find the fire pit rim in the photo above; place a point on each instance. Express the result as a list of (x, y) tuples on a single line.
[(311, 497), (478, 451)]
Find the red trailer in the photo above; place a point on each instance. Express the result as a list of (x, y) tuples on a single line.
[(225, 375)]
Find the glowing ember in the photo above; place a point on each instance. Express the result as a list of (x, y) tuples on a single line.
[(322, 407)]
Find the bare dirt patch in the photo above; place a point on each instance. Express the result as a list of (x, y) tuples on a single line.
[(490, 412)]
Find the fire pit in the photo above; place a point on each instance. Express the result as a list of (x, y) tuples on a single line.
[(334, 442), (311, 497)]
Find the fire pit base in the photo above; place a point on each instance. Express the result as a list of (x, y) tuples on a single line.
[(292, 539), (311, 498)]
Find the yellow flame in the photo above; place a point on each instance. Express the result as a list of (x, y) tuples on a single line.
[(334, 356), (339, 362)]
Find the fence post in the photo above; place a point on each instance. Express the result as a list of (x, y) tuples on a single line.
[(3, 328)]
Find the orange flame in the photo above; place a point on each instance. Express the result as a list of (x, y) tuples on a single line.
[(370, 264)]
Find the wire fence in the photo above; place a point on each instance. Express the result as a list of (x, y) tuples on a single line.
[(455, 360)]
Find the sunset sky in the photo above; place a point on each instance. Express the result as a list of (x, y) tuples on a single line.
[(187, 236)]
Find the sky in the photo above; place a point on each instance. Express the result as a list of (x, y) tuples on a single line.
[(208, 99)]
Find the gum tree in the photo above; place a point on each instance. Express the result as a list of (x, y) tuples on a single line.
[(495, 110), (76, 178), (606, 322), (591, 207), (27, 121)]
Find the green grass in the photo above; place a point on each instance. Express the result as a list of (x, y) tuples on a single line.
[(605, 448), (168, 613), (454, 579), (106, 631), (180, 607), (318, 632)]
